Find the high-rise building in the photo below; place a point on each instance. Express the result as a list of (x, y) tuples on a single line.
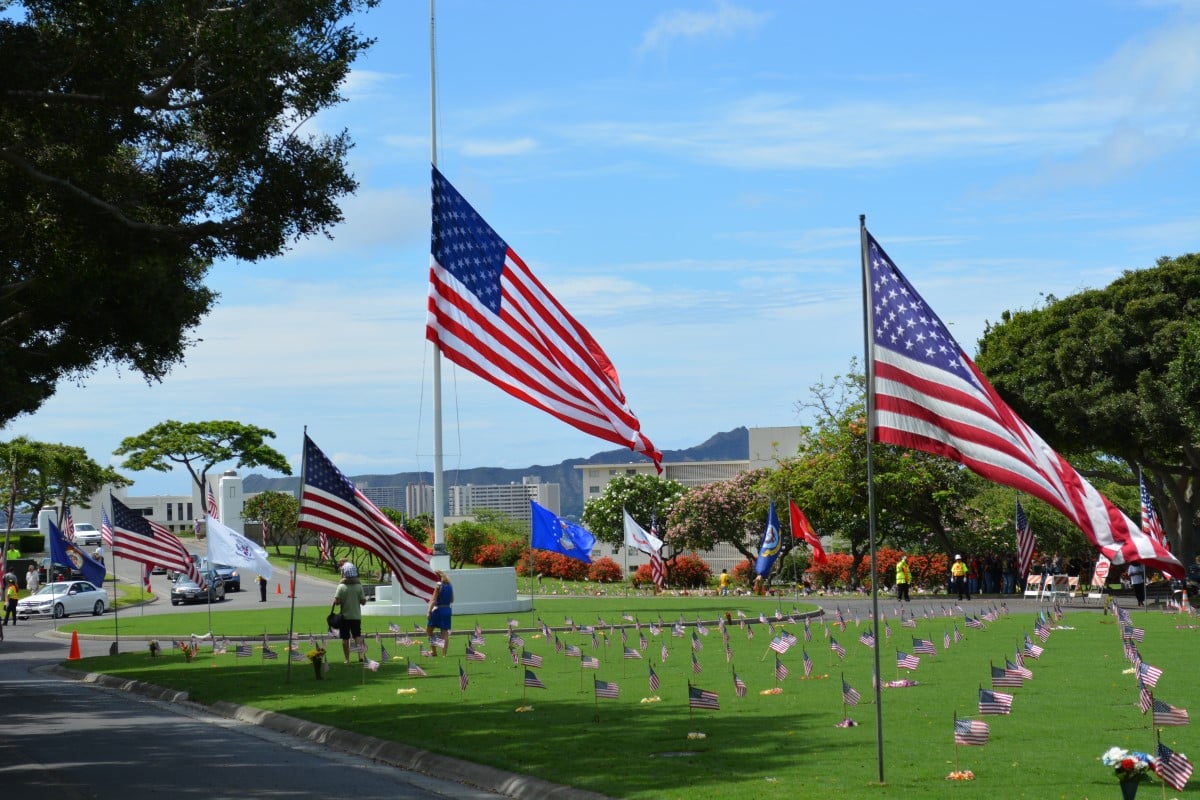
[(511, 499)]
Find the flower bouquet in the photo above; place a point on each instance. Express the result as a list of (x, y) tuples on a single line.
[(188, 649), (1129, 765), (316, 656), (1131, 768)]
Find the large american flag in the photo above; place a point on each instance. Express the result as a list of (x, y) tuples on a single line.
[(137, 539), (330, 504), (490, 315), (930, 396), (1025, 542)]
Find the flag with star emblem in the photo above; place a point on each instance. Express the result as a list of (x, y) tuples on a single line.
[(489, 314), (551, 532)]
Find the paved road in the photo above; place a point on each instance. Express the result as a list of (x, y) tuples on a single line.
[(67, 739)]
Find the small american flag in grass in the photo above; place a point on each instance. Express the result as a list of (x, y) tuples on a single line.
[(850, 695), (837, 648), (463, 680), (415, 670), (696, 668), (532, 680), (906, 660), (589, 662), (924, 647), (629, 652), (1167, 714), (702, 698), (531, 659), (1001, 677), (781, 670), (475, 655), (654, 681), (1173, 768), (739, 685), (607, 689), (970, 732), (991, 702)]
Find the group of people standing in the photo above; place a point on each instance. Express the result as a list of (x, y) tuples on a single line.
[(350, 597)]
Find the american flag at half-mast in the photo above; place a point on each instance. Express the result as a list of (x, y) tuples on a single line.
[(929, 396), (136, 539), (1025, 542), (330, 504), (489, 314)]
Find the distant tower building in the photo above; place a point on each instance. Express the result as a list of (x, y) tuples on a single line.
[(385, 496), (419, 499), (511, 499)]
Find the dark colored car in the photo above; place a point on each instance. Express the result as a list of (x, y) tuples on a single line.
[(233, 580), (62, 572), (185, 590)]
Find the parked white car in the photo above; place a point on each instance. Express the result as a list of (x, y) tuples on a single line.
[(87, 535), (60, 599)]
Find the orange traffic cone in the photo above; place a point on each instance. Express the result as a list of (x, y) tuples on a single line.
[(278, 589), (74, 654)]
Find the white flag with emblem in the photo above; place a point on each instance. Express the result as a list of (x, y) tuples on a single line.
[(227, 546)]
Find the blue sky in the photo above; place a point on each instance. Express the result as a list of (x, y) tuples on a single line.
[(686, 178)]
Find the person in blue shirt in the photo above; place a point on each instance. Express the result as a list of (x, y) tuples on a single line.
[(439, 613)]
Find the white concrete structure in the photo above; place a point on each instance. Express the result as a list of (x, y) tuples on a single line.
[(476, 591)]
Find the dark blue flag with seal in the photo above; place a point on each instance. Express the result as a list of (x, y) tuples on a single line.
[(69, 555), (549, 532), (768, 549)]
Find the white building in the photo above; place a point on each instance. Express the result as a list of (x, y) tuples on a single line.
[(511, 499), (767, 447)]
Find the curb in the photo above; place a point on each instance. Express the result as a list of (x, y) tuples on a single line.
[(395, 754)]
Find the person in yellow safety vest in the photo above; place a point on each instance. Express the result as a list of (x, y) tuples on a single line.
[(903, 579), (958, 571), (10, 601)]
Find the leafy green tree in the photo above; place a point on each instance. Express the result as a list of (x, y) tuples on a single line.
[(732, 512), (1110, 373), (646, 497), (139, 142), (464, 539), (279, 513), (20, 459), (199, 446), (68, 475)]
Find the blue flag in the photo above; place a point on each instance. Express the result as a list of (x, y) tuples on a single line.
[(552, 533), (68, 555), (768, 550)]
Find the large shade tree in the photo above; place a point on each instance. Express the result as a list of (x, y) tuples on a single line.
[(645, 497), (1111, 373), (139, 142), (199, 446)]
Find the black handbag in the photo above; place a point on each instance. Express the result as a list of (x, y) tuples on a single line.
[(333, 619)]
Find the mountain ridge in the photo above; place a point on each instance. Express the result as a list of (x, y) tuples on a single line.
[(733, 445)]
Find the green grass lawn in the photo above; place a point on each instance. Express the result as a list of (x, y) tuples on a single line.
[(1079, 703)]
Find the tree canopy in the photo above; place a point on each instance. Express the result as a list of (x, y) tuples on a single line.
[(199, 446), (138, 143), (1111, 373), (645, 497)]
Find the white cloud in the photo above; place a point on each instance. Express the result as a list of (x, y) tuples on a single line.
[(490, 149), (724, 20)]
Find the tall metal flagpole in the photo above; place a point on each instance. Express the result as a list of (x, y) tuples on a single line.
[(295, 560), (441, 558), (870, 367)]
